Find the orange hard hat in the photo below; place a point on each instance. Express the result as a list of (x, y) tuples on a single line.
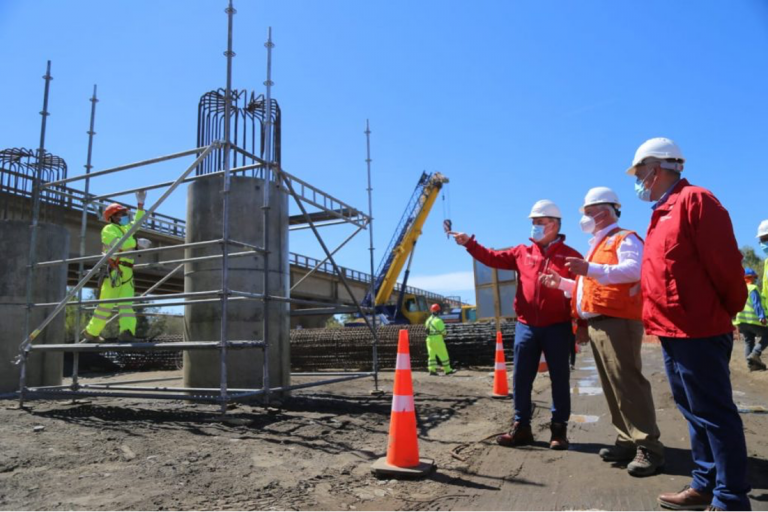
[(435, 308), (113, 209)]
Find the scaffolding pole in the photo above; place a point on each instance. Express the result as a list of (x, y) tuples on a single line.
[(375, 333), (83, 230), (36, 186), (230, 10)]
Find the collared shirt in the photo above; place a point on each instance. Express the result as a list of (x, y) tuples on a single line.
[(630, 255), (666, 195)]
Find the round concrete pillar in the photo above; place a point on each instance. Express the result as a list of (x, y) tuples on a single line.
[(202, 322), (50, 285)]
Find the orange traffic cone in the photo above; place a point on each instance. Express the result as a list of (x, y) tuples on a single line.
[(403, 451), (500, 383), (543, 364)]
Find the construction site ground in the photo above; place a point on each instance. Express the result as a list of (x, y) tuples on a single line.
[(314, 452)]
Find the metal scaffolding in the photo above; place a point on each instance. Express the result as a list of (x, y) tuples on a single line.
[(213, 157)]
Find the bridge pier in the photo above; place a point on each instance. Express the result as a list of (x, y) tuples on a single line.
[(43, 369), (202, 322)]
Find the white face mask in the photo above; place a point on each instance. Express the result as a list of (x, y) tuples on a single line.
[(587, 224)]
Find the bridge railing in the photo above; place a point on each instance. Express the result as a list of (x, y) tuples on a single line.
[(18, 184), (309, 262)]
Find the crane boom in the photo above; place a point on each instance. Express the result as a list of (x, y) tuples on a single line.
[(406, 235)]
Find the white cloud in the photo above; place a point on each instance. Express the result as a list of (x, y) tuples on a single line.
[(451, 283)]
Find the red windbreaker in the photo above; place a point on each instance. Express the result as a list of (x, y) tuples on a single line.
[(692, 278), (535, 304)]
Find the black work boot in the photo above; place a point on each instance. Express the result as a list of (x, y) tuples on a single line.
[(559, 440), (520, 435)]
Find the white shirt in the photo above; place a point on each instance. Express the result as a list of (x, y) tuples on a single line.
[(630, 254)]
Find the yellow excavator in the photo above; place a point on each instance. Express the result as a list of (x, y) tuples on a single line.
[(410, 308)]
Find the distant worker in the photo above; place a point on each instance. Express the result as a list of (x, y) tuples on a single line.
[(436, 344), (543, 321), (118, 282), (762, 237), (693, 285), (607, 295), (752, 322)]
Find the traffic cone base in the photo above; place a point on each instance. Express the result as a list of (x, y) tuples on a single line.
[(383, 469)]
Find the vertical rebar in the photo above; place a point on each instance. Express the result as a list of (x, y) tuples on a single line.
[(370, 248), (33, 226), (265, 215), (230, 10), (83, 230)]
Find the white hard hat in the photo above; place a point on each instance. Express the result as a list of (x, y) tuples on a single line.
[(661, 148), (762, 229), (545, 208), (600, 195)]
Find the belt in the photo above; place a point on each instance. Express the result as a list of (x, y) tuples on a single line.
[(126, 264), (598, 319)]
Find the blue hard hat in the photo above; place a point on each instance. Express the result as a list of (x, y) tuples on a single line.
[(748, 272)]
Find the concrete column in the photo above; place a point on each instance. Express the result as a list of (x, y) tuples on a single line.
[(202, 322), (50, 285)]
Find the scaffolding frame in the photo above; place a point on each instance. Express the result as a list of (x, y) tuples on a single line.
[(271, 170)]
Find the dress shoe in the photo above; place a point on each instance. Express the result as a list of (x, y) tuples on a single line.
[(687, 499)]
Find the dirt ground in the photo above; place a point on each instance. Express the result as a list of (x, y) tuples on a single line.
[(315, 451)]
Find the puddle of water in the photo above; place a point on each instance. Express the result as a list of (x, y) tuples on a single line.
[(753, 409), (586, 383), (584, 418), (587, 390)]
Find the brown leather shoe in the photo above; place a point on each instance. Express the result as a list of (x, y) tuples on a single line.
[(687, 499), (520, 435), (559, 440)]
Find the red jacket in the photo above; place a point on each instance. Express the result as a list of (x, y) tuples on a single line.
[(535, 304), (692, 278)]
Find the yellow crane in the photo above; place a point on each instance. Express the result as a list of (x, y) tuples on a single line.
[(410, 308)]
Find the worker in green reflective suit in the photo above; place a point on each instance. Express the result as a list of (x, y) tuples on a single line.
[(436, 344)]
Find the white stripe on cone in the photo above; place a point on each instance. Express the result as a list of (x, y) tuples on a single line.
[(402, 403), (500, 366), (403, 362), (499, 346)]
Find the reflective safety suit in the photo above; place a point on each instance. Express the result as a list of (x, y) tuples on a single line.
[(119, 283), (436, 345)]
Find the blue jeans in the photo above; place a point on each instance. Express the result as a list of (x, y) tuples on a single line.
[(556, 342), (701, 386)]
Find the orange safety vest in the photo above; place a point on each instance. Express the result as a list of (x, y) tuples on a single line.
[(616, 300)]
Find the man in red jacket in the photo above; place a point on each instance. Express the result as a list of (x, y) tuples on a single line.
[(543, 320), (692, 284)]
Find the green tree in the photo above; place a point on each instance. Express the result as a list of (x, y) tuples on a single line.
[(753, 261)]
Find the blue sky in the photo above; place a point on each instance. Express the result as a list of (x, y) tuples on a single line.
[(514, 101)]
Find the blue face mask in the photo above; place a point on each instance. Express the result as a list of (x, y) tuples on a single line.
[(642, 193), (537, 232), (764, 247), (124, 220)]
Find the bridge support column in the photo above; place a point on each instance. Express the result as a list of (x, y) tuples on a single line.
[(202, 322), (50, 285)]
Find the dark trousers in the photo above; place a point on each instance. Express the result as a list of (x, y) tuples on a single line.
[(701, 386), (555, 341), (751, 332)]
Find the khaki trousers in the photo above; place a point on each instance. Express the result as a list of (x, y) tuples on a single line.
[(616, 345)]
